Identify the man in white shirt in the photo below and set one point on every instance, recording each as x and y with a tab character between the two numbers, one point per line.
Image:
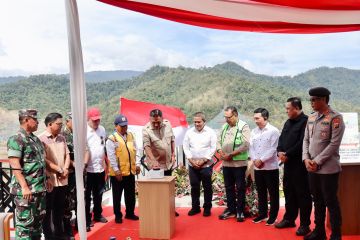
263	143
199	147
95	167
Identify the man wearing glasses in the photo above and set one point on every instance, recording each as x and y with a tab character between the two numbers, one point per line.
95	167
57	161
28	185
233	146
323	134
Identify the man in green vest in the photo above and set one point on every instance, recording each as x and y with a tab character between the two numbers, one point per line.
233	145
121	151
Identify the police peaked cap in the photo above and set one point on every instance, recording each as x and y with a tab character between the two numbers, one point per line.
319	92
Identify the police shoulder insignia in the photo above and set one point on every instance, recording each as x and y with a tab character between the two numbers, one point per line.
336	122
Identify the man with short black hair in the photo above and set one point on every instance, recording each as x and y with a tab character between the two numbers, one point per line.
323	134
263	143
233	145
70	198
199	147
159	143
58	161
295	182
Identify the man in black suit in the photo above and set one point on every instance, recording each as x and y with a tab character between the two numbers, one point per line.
296	185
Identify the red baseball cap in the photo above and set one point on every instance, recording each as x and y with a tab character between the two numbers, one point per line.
94	114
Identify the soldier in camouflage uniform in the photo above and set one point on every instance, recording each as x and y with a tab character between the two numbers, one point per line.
28	187
70	201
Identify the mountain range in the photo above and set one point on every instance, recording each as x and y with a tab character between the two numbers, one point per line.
206	89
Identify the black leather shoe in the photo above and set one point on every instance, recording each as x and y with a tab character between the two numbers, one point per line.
240	217
118	220
259	219
88	228
227	214
317	234
335	237
194	211
100	219
303	231
285	224
270	221
132	217
207	212
177	214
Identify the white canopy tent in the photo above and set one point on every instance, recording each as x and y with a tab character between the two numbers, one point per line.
275	16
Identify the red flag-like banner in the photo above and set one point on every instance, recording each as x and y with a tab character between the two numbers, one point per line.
138	114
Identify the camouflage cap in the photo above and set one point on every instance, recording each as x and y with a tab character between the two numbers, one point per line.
28	113
68	115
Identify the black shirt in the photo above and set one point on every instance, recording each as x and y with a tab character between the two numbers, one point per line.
291	140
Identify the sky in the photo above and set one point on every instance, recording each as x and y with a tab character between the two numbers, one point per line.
33	40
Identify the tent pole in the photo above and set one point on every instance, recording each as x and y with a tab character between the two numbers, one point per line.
78	106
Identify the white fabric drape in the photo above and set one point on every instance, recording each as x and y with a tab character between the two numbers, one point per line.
78	106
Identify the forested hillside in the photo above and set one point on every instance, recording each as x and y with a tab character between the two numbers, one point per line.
208	89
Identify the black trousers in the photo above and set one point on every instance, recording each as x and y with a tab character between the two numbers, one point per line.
268	181
55	207
95	184
297	196
323	188
198	176
128	185
234	179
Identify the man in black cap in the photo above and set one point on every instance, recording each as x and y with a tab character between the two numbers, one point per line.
323	134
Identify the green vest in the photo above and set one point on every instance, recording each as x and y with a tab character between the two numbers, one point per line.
239	139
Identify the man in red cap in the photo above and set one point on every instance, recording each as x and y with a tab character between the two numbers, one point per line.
95	167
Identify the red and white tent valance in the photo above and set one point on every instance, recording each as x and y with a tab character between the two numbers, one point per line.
272	16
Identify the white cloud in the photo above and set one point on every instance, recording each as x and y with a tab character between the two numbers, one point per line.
33	40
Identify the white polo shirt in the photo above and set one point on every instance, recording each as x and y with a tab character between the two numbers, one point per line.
96	146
